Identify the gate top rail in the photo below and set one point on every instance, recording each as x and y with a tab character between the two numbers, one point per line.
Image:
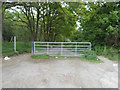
62	42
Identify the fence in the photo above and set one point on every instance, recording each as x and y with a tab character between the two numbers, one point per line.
61	48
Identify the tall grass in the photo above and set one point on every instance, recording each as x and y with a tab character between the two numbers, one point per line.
22	47
109	52
90	56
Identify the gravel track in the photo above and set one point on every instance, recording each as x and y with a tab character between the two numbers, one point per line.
24	72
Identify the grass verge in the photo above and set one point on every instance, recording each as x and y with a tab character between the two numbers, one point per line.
91	57
90	60
45	56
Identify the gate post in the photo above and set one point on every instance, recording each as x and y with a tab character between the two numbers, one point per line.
32	47
90	46
15	43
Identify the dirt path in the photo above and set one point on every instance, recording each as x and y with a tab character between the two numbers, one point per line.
23	72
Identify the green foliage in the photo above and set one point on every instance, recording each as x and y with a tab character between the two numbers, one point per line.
8	26
43	56
51	21
45	21
109	52
98	49
99	24
22	47
55	22
90	56
59	56
7	49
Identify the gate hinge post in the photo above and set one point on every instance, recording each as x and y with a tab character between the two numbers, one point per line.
32	47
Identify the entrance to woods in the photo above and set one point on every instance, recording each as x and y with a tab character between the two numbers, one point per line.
61	48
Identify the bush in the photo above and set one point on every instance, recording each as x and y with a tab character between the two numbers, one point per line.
98	50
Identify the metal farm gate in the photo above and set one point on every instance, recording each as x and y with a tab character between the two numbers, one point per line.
61	48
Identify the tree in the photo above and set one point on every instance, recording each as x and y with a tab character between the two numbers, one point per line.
100	23
46	21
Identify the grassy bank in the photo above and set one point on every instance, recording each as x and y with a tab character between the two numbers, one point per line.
22	47
108	52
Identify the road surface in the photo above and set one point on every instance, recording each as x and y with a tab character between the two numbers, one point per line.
24	72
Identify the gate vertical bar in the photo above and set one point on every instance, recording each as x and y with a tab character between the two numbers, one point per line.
47	48
76	49
15	43
61	47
